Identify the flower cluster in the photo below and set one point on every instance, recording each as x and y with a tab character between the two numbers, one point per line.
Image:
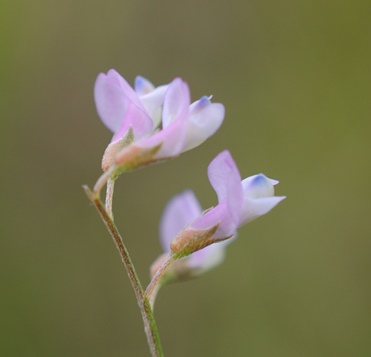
151	124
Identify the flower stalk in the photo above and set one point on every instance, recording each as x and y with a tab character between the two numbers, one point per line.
150	327
152	287
109	196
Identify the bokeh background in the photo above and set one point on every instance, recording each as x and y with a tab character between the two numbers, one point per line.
295	79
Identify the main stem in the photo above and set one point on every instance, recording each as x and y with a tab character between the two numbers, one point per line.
150	327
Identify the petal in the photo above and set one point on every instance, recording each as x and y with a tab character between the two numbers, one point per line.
128	92
224	176
259	197
119	106
226	181
176	103
110	102
209	257
174	122
153	102
136	119
220	215
170	140
205	119
258	186
143	86
180	211
256	207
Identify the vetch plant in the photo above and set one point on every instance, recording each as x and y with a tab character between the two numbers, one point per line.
152	124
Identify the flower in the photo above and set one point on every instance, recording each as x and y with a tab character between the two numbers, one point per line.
195	241
239	203
129	113
178	213
152	124
121	107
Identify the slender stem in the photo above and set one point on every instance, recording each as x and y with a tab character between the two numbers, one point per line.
157	277
109	196
152	297
150	327
103	180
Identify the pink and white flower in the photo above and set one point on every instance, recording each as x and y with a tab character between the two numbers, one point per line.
239	202
152	123
179	212
198	239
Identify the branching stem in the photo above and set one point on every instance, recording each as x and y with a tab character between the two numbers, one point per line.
150	327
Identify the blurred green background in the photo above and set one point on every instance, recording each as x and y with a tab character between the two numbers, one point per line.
295	79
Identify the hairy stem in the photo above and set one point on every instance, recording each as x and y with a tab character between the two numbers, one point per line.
109	196
150	327
103	180
153	285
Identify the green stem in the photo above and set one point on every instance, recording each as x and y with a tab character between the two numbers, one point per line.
150	327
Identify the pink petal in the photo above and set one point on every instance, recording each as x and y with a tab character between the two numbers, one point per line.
180	211
174	122
176	103
110	102
170	139
220	215
226	180
119	106
127	91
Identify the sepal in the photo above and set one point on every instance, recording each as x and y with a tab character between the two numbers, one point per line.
191	240
115	147
134	157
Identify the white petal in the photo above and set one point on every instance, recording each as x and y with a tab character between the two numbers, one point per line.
256	207
209	257
205	119
258	186
153	102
